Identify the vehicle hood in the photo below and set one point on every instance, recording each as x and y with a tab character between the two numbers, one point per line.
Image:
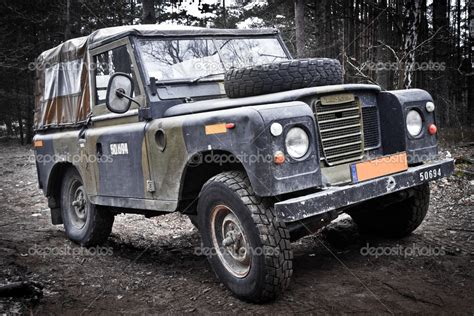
278	97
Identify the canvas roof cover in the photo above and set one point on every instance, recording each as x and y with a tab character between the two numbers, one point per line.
62	79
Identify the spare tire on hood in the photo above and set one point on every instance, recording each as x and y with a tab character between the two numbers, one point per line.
282	76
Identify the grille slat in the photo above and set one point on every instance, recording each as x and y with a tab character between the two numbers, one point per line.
333	124
339	137
356	152
335	132
327	148
338	111
341	141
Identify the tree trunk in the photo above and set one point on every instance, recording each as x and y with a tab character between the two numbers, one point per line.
413	8
67	32
441	28
30	106
132	12
20	126
72	19
470	82
148	16
8	123
299	25
383	56
224	14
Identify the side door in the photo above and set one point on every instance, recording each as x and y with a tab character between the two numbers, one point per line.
117	140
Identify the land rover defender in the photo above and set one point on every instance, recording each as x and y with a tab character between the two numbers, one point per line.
257	148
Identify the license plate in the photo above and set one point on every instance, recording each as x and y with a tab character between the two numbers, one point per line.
379	167
430	174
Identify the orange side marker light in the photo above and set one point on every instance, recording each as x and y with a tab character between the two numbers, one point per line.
38	143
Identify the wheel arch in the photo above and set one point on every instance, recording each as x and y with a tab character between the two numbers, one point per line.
201	167
55	179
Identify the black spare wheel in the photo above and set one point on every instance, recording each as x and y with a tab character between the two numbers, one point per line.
282	76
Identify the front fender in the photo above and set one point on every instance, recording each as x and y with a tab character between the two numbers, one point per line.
249	141
393	107
253	145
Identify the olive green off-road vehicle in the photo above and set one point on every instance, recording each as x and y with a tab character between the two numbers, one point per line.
257	148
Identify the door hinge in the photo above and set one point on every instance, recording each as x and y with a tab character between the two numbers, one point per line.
150	186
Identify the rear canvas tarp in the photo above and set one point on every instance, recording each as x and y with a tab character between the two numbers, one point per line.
62	86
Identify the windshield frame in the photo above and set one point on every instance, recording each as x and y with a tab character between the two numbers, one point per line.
218	77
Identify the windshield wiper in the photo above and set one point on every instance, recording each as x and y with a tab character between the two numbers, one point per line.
157	83
197	79
271	55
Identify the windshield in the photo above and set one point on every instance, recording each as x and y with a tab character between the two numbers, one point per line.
194	59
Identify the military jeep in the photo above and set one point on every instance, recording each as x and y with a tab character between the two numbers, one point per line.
257	148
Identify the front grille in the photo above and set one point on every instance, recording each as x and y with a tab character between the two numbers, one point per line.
340	131
370	119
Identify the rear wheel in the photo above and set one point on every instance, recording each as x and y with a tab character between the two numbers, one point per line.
84	222
396	220
247	246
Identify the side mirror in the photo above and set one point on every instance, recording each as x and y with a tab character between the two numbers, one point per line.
119	93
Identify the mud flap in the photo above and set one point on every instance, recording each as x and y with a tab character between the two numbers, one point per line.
56	217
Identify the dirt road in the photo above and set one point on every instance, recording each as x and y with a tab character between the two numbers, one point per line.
151	265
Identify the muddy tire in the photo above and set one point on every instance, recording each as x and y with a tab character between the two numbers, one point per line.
282	76
85	223
247	246
396	220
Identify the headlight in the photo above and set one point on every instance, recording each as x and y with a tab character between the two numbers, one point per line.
297	142
414	123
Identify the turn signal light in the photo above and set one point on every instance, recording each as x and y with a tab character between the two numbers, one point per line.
432	129
279	158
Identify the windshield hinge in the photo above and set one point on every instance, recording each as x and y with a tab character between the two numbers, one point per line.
153	88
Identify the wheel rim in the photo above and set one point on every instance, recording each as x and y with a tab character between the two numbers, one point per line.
230	241
79	207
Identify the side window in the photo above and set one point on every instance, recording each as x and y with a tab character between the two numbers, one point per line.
108	63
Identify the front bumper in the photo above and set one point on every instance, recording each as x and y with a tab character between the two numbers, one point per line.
333	198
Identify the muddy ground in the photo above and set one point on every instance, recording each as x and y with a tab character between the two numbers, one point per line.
151	266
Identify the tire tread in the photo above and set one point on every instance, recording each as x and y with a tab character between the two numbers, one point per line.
282	76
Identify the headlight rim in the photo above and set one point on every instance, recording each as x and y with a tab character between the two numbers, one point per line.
308	145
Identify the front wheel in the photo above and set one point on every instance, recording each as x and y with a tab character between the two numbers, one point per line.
247	246
84	222
396	220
